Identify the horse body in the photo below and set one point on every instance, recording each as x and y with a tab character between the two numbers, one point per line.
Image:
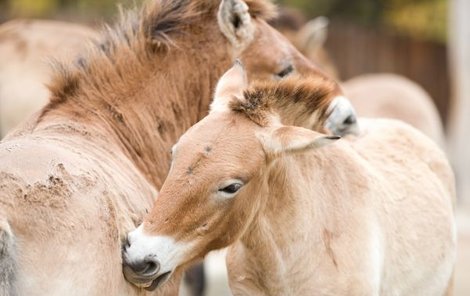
361	226
79	174
367	215
68	203
396	97
24	71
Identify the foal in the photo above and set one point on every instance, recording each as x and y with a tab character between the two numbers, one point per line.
370	216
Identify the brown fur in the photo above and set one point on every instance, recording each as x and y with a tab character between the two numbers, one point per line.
367	215
142	34
112	119
108	75
294	99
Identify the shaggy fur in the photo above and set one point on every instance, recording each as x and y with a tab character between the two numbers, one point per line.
295	99
366	215
92	159
139	36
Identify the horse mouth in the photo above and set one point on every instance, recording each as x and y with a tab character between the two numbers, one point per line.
158	281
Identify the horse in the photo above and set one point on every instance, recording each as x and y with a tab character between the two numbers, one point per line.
79	174
375	95
308	36
394	96
25	48
303	213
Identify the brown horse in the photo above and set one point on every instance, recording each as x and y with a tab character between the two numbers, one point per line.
26	46
372	215
80	174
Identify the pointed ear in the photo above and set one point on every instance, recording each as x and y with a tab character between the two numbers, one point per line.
313	34
235	23
288	139
232	84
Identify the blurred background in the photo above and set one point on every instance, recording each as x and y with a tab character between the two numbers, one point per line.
426	41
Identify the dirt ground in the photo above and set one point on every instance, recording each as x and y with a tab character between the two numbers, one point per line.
217	282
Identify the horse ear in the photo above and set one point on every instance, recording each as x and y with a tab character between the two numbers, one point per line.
235	23
288	139
231	85
313	34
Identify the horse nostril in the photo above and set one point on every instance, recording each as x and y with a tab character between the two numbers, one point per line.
350	120
152	266
125	244
147	267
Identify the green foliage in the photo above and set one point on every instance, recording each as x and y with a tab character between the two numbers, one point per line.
424	19
32	8
52	8
421	18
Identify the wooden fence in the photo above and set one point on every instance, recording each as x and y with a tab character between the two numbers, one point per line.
357	50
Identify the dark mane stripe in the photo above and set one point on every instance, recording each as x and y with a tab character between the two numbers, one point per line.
295	99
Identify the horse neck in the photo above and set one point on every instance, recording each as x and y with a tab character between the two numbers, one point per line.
284	243
156	104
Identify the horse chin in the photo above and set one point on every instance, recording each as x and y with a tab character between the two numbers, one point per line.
160	280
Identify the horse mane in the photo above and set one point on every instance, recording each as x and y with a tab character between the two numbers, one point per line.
294	98
138	36
288	19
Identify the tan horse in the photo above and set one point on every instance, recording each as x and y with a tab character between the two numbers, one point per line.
75	178
372	95
368	216
394	96
26	47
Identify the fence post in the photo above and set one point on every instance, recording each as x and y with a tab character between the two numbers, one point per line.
459	124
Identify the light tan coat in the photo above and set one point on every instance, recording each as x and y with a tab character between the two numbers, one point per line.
26	49
394	96
377	95
81	173
303	213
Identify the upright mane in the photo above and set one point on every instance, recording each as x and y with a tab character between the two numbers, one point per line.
296	99
135	42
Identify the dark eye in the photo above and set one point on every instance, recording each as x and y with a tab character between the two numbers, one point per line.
231	189
289	69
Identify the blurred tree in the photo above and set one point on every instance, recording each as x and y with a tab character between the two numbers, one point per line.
33	8
425	19
81	9
421	18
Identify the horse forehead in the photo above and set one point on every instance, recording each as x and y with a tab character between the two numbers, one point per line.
266	40
221	138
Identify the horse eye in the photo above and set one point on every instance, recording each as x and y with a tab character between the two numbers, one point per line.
289	69
232	188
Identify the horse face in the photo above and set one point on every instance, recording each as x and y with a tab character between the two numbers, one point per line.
207	200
